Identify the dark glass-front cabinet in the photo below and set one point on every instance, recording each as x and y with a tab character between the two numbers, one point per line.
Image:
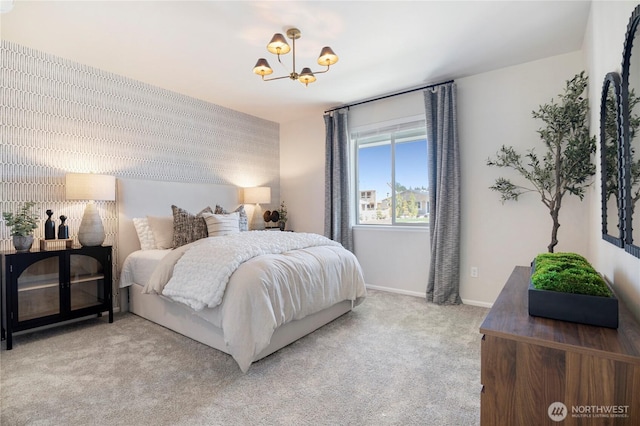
44	287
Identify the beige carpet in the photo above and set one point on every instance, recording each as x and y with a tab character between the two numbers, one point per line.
393	360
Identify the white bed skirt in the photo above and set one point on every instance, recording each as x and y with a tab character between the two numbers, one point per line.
180	318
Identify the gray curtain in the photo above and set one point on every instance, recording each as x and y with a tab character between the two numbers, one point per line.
443	285
337	218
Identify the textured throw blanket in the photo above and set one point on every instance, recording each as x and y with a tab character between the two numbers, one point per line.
201	274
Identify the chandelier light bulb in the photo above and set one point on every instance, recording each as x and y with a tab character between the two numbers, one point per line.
327	57
278	45
262	67
306	76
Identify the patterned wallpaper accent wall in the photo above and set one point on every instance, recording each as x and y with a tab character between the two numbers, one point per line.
59	116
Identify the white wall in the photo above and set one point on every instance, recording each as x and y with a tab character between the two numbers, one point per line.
494	108
394	259
302	173
603	50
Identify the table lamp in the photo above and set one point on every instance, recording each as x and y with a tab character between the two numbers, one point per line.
91	187
257	195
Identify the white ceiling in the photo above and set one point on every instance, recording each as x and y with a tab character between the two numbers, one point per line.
207	49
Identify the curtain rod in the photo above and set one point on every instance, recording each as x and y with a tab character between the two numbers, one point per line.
389	96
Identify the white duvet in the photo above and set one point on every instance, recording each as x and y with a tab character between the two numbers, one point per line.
257	281
200	277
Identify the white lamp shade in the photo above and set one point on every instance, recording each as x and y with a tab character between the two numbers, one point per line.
89	186
257	195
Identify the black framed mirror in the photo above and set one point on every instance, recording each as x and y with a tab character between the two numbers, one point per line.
611	160
630	137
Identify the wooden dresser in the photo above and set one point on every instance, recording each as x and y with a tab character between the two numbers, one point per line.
529	363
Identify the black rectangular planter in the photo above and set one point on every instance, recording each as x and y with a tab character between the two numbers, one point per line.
579	308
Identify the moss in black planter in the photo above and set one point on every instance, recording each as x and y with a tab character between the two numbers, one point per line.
568	273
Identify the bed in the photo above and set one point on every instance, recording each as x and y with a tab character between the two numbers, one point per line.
272	299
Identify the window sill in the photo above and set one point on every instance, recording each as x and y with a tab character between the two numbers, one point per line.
391	228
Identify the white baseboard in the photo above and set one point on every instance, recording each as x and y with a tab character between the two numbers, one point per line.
477	303
396	290
417	294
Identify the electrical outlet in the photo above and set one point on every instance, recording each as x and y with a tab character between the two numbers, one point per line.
474	272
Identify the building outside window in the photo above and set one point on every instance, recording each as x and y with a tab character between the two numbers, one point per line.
391	169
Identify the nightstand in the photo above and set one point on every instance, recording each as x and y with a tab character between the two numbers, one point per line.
46	287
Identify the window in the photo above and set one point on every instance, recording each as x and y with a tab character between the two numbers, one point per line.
392	179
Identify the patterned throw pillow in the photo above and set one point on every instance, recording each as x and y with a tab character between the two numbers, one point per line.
222	224
243	222
187	227
145	234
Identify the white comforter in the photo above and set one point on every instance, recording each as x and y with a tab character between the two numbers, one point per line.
199	282
267	289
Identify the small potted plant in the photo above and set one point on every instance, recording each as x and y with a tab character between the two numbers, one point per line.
564	286
282	220
22	225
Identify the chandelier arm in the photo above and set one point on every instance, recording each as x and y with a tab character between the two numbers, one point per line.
275	78
321	72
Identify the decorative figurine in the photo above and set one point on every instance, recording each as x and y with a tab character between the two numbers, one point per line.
63	230
282	220
49	227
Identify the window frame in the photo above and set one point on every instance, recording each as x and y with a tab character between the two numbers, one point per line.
391	127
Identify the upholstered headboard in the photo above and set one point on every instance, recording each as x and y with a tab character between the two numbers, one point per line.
139	198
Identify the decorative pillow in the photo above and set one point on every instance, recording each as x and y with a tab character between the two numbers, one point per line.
243	223
145	235
222	224
162	228
187	227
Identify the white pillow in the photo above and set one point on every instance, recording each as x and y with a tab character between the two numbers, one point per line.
243	219
145	235
222	224
162	228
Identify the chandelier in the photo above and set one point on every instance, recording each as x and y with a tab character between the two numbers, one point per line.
279	46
